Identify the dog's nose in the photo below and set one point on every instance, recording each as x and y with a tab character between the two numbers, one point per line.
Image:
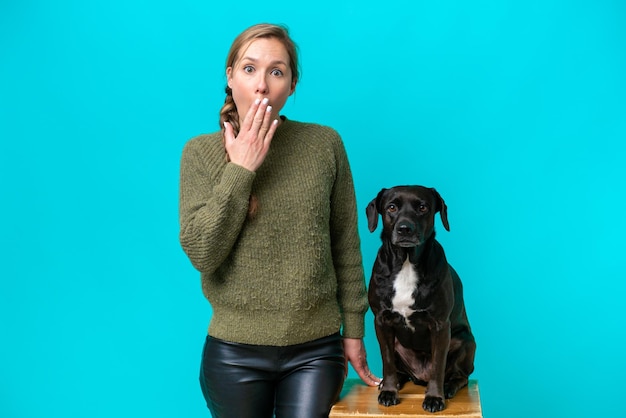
405	228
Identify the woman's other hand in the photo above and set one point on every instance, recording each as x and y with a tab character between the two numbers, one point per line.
354	350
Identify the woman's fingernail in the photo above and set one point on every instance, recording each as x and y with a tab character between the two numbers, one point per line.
257	101
269	109
265	101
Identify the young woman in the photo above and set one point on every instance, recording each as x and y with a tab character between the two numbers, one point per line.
268	216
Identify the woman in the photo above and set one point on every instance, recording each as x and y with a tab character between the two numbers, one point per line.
268	217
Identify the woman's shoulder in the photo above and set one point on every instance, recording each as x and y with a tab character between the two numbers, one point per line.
205	140
205	147
205	143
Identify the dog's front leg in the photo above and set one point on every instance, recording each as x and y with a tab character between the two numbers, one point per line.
386	340
434	400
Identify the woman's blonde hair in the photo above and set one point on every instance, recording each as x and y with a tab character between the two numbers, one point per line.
229	112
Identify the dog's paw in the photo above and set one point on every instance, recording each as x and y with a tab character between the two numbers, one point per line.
449	392
451	388
388	398
433	404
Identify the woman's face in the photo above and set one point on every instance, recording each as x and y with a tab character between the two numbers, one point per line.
262	71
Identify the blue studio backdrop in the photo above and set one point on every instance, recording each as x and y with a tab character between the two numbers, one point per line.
514	111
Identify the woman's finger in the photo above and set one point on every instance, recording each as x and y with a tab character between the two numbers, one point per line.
229	134
265	123
270	132
249	118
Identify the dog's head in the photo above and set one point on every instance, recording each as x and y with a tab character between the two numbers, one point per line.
408	214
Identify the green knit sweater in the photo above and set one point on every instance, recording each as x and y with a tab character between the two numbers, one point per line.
294	272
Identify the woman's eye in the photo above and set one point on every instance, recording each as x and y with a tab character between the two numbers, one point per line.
248	69
277	72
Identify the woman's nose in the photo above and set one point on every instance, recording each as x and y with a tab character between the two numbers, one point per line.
261	85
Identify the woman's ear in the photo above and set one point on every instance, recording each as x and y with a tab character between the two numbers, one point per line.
229	77
293	87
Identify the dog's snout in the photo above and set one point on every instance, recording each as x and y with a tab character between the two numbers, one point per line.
405	233
405	228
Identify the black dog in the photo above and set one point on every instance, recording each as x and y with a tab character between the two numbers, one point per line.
417	299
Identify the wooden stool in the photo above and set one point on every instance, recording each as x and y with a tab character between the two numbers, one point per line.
359	400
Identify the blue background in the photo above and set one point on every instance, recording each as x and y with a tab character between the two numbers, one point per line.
514	111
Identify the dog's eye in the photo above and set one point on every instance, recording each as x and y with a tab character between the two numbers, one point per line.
423	208
392	208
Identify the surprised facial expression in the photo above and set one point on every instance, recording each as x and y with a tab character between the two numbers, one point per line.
261	71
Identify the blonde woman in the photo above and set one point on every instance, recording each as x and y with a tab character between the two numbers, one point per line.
268	217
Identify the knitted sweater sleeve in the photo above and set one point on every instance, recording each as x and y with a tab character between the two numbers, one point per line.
346	249
213	203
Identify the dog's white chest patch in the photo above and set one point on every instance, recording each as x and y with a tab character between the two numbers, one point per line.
404	284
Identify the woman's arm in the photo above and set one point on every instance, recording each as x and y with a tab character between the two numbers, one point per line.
214	197
346	247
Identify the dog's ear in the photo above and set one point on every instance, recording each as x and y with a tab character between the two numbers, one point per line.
442	208
372	212
372	215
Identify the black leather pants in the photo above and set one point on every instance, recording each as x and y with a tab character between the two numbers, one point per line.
251	381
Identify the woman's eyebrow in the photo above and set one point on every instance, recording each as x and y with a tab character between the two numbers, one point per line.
254	60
